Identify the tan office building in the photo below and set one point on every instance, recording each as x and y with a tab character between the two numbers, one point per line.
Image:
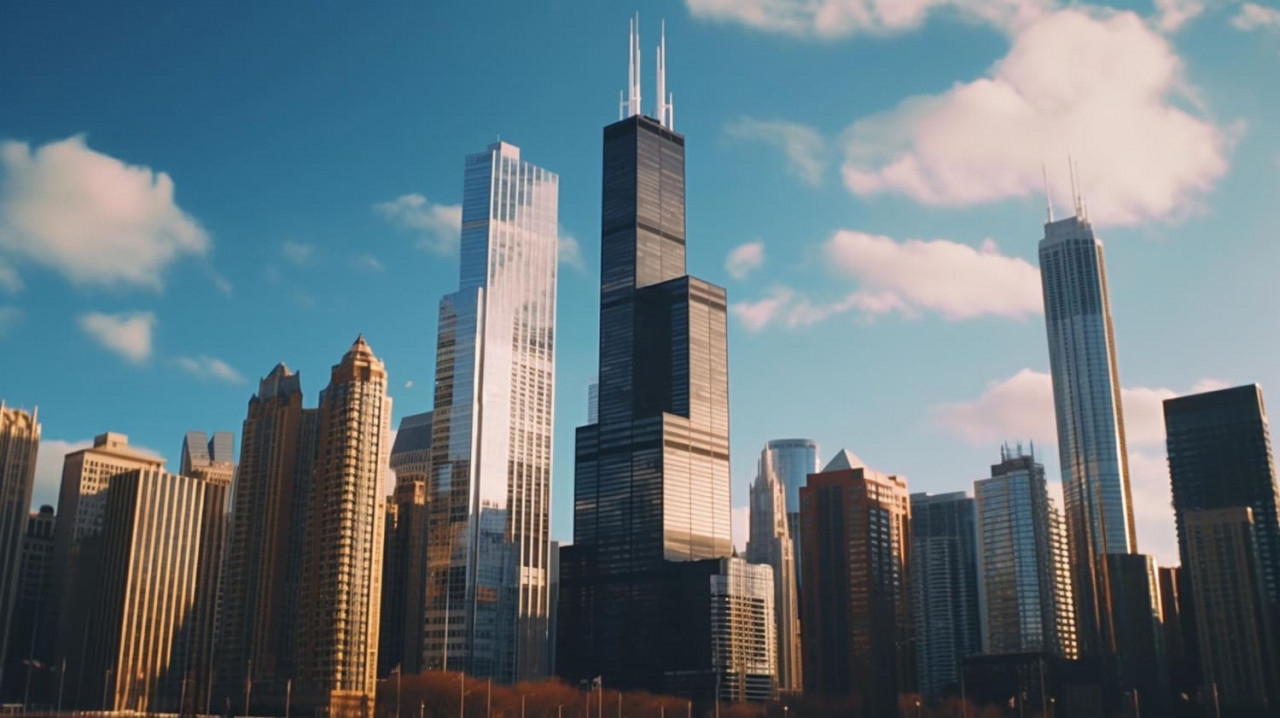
149	630
19	442
339	612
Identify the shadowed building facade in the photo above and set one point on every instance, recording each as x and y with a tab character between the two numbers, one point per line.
857	628
651	477
404	564
944	588
489	499
34	600
19	443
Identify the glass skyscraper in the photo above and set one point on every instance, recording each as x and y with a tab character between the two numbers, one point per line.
944	588
1086	397
793	460
488	585
770	543
651	477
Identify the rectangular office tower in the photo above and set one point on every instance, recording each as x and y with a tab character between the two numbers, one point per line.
19	442
1086	398
651	477
944	588
150	628
1023	580
23	679
488	550
857	627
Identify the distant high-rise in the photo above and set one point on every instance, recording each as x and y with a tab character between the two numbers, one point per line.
264	546
150	629
341	589
793	460
770	544
35	578
1086	397
19	443
944	588
87	476
1141	663
1219	448
1023	578
404	567
489	539
208	457
1233	625
722	623
651	478
857	627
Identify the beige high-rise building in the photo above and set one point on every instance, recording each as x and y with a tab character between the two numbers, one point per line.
260	582
337	639
82	511
151	622
771	544
19	443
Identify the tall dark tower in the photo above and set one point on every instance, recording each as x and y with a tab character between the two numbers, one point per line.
651	478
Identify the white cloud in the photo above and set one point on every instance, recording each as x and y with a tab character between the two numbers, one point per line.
222	283
9	318
569	251
828	19
9	279
206	367
1098	83
740	525
744	259
408	384
49	469
440	225
91	217
368	263
802	145
127	334
1171	15
297	252
1153	505
1253	16
759	314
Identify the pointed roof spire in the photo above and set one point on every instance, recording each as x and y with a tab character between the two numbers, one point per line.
844	460
633	66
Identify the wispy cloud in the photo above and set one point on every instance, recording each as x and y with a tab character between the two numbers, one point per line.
745	259
803	146
127	334
91	217
368	263
570	252
831	19
206	367
9	280
1254	17
297	252
1171	15
439	226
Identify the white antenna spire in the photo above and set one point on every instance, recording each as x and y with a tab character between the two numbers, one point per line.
621	104
1082	207
1048	199
671	111
1075	187
662	77
633	68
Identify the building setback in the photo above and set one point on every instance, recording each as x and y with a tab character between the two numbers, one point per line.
944	588
341	587
150	629
1090	421
770	543
651	477
260	585
1023	579
857	628
19	443
487	603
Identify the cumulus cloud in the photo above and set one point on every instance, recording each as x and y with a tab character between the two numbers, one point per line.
1098	83
90	216
1253	16
49	459
127	334
761	313
439	225
1171	15
744	259
803	146
206	367
297	252
569	251
830	19
1022	407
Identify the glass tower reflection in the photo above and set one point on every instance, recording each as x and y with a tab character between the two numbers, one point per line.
1086	396
488	538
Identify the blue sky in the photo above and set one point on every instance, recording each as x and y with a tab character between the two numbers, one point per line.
190	193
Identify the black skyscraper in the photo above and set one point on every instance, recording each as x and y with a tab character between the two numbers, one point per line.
651	480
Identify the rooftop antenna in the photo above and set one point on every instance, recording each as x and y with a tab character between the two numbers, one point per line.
621	103
1048	199
1082	208
664	99
1075	192
633	68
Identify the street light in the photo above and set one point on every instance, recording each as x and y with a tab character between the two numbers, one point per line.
917	708
398	676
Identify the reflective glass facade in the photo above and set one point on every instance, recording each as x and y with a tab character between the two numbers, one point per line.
944	588
1023	577
793	460
1086	396
488	584
651	477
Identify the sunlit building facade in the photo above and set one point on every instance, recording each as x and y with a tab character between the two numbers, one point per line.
19	444
1090	420
770	544
488	584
